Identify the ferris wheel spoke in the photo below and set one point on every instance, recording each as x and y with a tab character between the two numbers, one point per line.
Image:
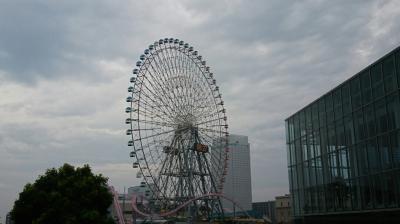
166	65
173	51
208	130
163	124
203	102
155	106
215	112
146	112
209	95
163	69
170	75
153	102
160	70
155	113
179	59
162	133
170	58
165	61
161	97
206	113
144	108
174	67
176	104
188	92
204	121
155	95
193	73
160	87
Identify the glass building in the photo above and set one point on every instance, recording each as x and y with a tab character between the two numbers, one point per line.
344	150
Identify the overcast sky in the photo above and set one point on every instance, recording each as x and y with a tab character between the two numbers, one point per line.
65	68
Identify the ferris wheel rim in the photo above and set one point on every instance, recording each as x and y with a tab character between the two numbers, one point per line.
145	60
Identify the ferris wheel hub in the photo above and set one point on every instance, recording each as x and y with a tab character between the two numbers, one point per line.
177	127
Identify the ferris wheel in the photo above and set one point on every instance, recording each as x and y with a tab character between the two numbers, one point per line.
177	126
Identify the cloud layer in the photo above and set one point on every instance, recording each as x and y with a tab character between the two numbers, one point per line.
64	70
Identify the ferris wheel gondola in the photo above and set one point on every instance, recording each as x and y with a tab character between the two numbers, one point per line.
177	124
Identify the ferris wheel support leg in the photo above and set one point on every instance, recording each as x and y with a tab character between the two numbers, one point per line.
216	202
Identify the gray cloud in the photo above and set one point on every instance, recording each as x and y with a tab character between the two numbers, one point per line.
64	70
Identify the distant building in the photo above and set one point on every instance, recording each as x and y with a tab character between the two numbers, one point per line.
237	185
282	209
8	219
344	150
265	209
142	193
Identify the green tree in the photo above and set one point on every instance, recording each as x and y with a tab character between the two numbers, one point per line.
64	195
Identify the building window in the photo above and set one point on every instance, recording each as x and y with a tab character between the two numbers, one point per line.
346	99
366	87
381	116
377	81
389	74
370	120
355	93
393	112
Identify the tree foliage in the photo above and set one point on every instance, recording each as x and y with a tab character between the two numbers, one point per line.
64	195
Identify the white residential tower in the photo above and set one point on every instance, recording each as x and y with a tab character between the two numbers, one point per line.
237	185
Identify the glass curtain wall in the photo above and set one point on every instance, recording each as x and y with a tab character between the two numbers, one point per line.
344	149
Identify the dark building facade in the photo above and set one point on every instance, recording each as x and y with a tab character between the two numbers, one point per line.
344	150
267	209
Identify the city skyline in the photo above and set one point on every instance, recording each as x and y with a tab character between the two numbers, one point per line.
65	67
